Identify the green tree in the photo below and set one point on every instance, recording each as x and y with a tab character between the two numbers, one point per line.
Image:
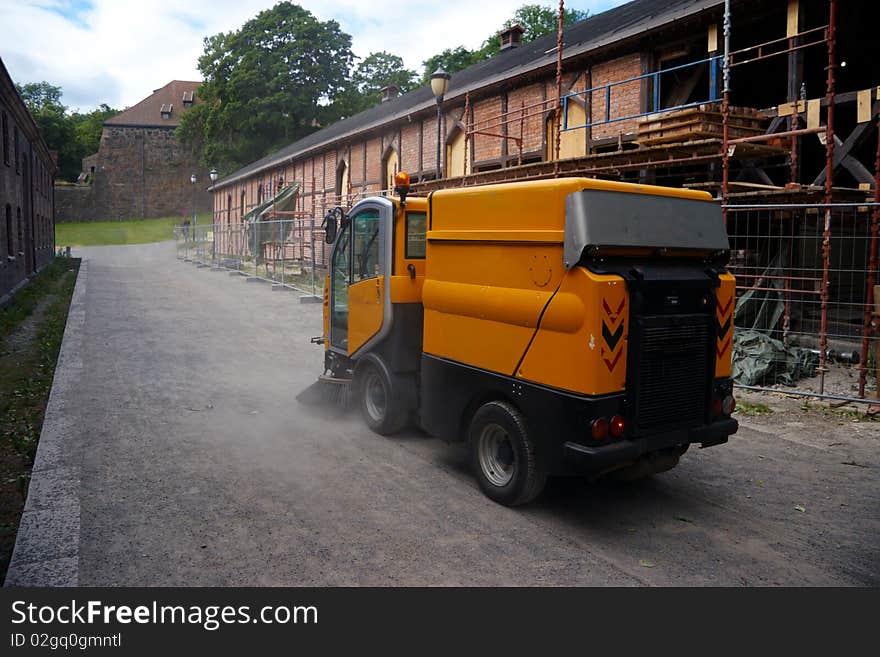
88	127
536	20
43	100
39	96
73	135
374	72
451	60
266	84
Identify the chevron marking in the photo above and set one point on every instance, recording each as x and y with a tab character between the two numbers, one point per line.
611	339
611	364
613	314
726	307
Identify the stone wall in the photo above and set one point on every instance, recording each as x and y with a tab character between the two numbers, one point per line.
139	172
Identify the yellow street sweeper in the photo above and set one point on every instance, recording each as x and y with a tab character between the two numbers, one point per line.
557	326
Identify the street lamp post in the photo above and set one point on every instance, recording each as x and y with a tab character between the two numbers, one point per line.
214	226
439	86
213	175
192	180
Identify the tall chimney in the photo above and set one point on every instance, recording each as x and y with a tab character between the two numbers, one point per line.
390	91
511	37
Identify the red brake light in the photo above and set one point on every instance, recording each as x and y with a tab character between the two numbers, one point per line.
600	428
728	405
617	426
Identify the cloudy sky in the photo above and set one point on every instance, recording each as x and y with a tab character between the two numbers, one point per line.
118	51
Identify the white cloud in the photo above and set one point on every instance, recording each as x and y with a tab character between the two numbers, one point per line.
118	51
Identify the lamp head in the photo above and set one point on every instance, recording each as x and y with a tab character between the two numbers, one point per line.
439	83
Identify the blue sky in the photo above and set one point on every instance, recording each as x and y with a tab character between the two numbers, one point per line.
118	51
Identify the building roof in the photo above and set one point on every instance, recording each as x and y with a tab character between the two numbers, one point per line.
610	27
161	109
24	118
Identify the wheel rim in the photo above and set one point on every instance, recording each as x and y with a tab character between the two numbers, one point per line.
496	454
374	396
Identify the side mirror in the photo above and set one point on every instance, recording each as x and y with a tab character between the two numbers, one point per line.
331	226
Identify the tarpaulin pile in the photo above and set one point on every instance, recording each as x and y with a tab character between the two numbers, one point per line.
758	358
263	228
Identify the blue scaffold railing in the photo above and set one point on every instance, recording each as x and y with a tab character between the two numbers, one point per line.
714	64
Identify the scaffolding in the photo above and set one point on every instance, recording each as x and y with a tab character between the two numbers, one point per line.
821	240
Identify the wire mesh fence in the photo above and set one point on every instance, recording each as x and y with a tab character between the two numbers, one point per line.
805	298
287	252
804	320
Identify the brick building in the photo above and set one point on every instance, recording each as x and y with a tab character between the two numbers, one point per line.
27	214
140	169
618	67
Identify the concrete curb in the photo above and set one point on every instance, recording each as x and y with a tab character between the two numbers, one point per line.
47	545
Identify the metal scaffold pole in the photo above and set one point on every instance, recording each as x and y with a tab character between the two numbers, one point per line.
872	273
829	190
725	112
558	128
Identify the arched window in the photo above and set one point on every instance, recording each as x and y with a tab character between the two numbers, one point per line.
572	143
5	139
228	208
390	167
260	193
457	162
342	179
7	246
19	238
241	207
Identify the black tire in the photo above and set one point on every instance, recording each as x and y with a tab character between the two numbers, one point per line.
380	399
504	458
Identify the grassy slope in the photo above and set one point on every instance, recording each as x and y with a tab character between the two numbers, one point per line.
34	320
129	231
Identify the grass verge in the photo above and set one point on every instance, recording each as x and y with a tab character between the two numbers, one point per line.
31	329
128	231
752	408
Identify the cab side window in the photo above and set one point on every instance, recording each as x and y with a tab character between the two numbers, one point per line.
365	261
415	234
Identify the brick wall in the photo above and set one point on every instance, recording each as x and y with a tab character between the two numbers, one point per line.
27	235
486	118
533	126
625	98
409	148
374	162
429	142
356	164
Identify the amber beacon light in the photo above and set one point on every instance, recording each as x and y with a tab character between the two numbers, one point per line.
401	185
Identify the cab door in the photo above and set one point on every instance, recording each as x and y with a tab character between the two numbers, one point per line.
360	308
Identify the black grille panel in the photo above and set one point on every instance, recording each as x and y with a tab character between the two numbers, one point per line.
672	372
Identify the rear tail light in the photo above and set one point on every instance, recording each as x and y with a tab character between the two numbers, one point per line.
600	428
723	406
617	426
728	405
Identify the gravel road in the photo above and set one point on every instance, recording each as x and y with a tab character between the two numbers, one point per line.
195	466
